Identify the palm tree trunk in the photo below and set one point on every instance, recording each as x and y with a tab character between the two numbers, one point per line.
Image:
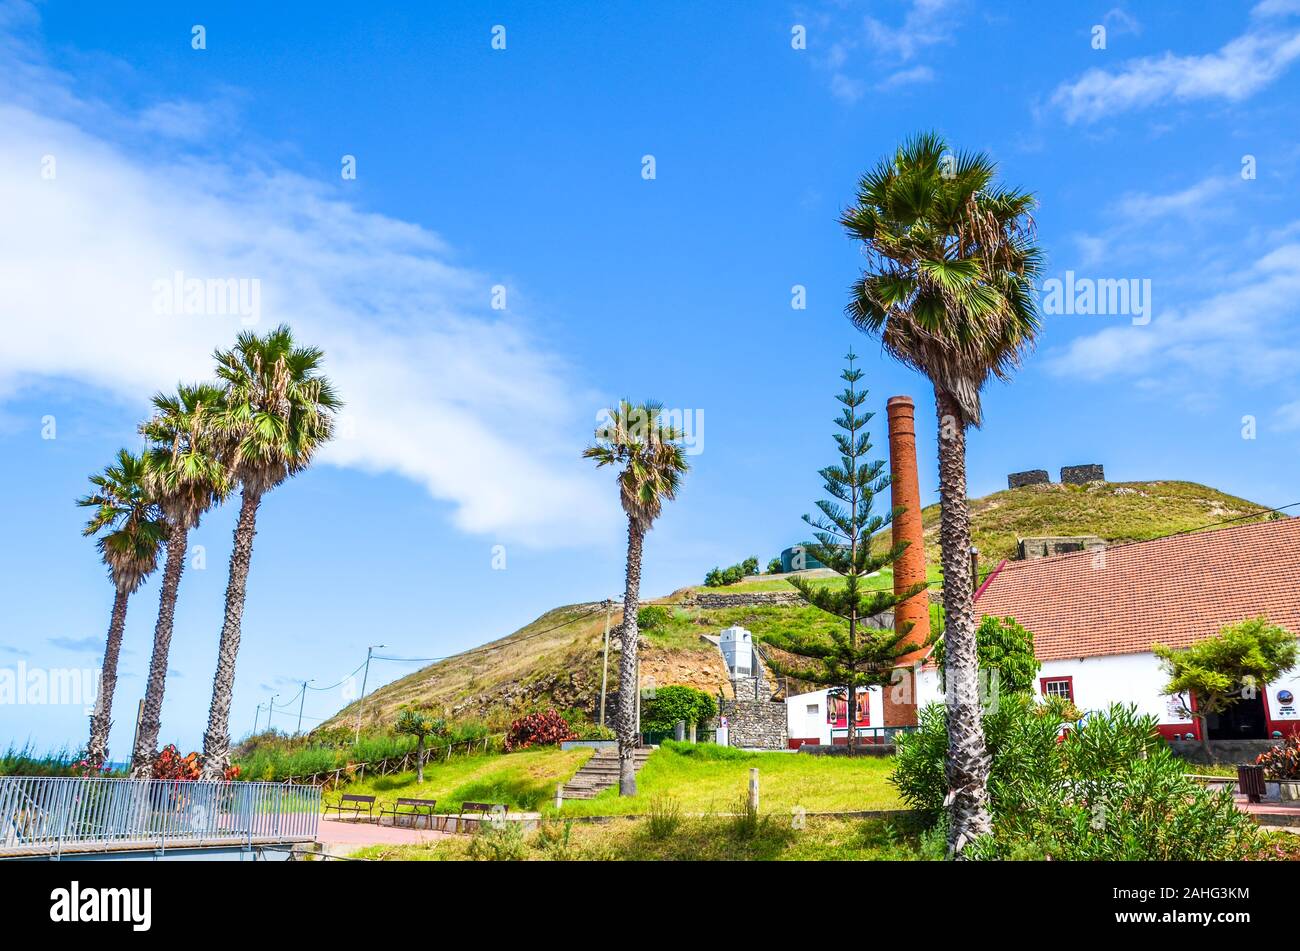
967	765
101	721
216	739
625	715
419	760
146	741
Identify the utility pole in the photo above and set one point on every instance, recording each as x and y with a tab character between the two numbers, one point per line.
364	679
256	717
300	706
604	673
270	710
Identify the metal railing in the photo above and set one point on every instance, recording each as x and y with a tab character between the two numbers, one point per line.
51	815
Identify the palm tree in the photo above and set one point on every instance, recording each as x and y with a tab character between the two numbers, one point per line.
279	411
130	534
948	288
652	462
187	477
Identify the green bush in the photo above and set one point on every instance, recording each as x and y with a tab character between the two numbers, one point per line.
664	818
660	713
1110	790
717	577
774	566
652	616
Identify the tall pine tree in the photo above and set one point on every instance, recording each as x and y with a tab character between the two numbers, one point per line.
863	655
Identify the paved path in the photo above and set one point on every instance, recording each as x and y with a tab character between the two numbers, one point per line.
349	836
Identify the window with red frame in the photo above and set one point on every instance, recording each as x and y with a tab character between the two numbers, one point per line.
1059	687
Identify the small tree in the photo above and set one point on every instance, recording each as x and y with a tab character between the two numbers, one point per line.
774	566
1005	650
1218	671
661	712
421	726
860	657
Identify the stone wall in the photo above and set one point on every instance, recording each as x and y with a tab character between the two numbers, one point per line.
1081	475
756	724
707	599
1049	545
1029	477
1222	752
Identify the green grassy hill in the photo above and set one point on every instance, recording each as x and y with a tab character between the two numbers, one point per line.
555	660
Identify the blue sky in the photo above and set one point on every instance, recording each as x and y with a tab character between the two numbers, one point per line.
1169	156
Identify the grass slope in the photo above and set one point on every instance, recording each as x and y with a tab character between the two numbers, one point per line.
700	779
555	660
1115	511
706	778
524	781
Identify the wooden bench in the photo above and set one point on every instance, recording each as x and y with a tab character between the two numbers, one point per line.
411	808
479	808
353	804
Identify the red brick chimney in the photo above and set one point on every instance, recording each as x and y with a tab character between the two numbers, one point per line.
909	570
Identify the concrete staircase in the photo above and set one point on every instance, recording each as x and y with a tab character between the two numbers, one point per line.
600	773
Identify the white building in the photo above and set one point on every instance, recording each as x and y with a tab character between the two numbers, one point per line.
1095	614
737	646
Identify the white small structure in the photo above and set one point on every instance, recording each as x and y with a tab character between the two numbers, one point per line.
737	646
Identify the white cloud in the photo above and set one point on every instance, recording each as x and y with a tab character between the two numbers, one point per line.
1234	72
440	389
1287	418
1249	332
926	23
870	43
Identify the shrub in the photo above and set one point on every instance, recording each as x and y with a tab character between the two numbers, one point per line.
652	616
1283	760
774	566
499	843
594	731
1110	789
717	577
661	712
664	817
1002	645
538	729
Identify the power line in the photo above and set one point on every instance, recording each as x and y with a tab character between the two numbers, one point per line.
288	705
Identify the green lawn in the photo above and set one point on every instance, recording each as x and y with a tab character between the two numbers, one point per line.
523	781
707	839
698	779
708	778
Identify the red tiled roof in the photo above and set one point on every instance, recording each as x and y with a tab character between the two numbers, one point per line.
1171	590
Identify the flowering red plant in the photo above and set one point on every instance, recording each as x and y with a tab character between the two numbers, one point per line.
538	729
1283	760
169	764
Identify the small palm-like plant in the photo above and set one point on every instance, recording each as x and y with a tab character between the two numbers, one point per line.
279	410
651	462
948	289
131	532
185	474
